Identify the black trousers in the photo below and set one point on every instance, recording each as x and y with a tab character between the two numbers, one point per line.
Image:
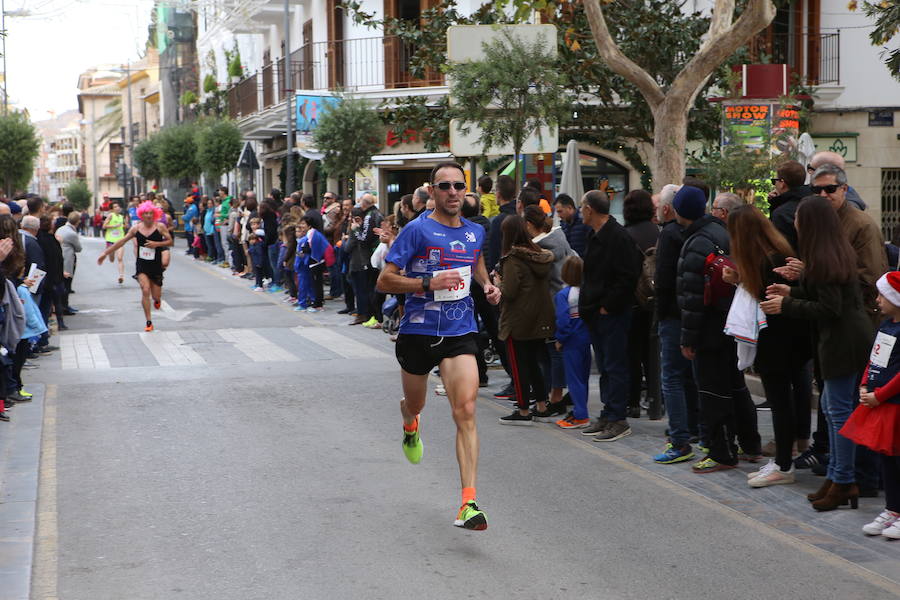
639	354
317	273
890	471
19	357
728	411
780	394
349	296
524	362
490	321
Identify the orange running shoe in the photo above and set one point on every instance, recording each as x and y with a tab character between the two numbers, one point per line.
157	304
570	422
149	326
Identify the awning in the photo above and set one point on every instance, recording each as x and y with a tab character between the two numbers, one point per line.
247	159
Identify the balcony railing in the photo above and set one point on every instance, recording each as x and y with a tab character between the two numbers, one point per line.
242	97
356	65
813	59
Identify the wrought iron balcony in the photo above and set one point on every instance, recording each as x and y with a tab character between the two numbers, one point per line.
814	59
358	64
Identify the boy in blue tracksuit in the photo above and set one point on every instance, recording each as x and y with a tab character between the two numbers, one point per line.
574	340
309	264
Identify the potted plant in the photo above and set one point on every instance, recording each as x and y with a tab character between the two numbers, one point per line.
210	84
235	69
189	98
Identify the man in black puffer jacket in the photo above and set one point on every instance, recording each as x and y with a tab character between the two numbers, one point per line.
725	402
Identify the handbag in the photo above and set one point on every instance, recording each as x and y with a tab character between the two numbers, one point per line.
716	291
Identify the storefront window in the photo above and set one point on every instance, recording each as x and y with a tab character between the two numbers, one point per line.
598	172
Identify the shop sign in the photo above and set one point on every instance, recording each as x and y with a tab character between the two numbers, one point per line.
843	144
309	109
758	125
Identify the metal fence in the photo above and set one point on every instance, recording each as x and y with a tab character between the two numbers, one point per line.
357	64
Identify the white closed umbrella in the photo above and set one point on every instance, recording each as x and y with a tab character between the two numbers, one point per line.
571	182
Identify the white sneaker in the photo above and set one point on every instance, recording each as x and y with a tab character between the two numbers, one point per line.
892	532
773	477
439	390
883	521
765	470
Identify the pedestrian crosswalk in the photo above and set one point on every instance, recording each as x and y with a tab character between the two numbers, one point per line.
217	347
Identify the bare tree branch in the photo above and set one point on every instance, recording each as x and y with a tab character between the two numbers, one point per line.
616	60
720	21
755	17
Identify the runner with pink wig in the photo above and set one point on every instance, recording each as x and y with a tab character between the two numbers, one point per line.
152	238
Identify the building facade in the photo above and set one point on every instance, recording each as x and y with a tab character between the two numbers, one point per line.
823	43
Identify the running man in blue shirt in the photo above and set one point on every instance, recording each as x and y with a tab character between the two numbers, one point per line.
433	261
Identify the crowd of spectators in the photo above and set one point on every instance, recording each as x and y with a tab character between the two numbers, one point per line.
39	246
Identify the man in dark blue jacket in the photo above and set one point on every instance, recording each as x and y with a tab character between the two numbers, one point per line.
612	265
506	200
724	399
577	233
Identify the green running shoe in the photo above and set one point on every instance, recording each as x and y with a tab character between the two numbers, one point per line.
470	517
412	445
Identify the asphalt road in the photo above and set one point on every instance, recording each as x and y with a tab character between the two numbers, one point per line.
244	451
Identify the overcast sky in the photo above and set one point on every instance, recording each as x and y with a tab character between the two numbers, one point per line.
46	51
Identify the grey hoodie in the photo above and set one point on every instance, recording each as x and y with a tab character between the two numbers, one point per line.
556	242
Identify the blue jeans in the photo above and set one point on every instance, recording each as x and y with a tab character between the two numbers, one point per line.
220	250
677	381
839	398
275	266
210	246
609	337
337	278
360	281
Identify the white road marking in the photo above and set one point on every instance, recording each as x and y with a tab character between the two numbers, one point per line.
166	311
331	340
169	349
83	351
254	346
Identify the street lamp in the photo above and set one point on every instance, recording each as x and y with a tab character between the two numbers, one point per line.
3	14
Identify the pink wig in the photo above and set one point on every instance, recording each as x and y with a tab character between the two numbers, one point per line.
148	206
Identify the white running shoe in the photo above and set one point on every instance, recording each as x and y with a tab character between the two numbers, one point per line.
765	470
882	522
892	532
774	477
440	390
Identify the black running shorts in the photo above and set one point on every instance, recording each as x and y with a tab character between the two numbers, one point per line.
419	354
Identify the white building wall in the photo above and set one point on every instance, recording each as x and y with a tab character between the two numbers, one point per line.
865	80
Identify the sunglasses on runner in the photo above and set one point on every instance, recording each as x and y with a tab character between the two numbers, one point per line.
456	185
829	189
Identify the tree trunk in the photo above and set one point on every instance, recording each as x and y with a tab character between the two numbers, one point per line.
670	122
670	107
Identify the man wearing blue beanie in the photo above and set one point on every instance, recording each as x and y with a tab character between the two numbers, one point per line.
725	403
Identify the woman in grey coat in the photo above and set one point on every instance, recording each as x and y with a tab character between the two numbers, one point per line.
68	237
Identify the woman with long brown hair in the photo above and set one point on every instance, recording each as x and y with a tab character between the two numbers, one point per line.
12	263
783	348
829	295
527	317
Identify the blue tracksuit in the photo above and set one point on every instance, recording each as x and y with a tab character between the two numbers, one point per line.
575	338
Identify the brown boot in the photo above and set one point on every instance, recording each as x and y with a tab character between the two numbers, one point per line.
838	494
821	493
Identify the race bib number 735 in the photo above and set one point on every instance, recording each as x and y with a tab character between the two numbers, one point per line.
461	290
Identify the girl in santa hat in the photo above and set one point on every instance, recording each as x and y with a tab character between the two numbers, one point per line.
876	421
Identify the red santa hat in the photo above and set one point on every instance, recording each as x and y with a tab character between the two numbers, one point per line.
889	286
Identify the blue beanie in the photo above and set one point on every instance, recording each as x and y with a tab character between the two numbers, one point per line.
690	203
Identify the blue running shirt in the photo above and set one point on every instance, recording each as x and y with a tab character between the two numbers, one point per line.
426	246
